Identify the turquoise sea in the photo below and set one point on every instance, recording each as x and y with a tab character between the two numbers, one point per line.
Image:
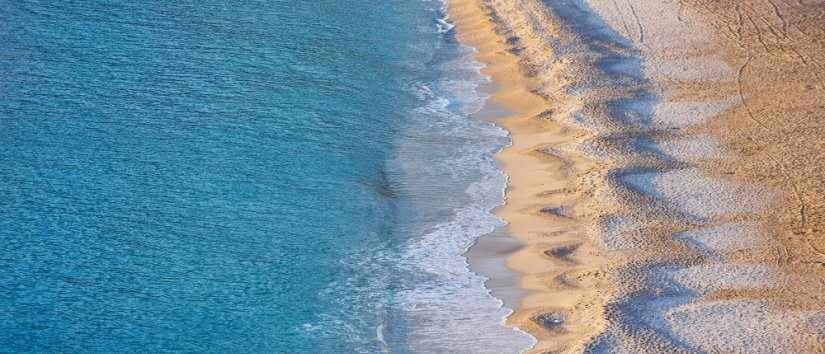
243	177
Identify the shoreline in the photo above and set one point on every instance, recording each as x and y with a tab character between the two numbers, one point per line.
537	310
651	214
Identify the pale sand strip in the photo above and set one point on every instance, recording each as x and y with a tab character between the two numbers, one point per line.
546	202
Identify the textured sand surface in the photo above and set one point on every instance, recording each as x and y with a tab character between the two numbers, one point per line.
666	172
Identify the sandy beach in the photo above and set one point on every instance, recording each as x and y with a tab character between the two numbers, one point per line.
665	176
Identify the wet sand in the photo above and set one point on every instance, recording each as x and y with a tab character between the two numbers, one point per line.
665	173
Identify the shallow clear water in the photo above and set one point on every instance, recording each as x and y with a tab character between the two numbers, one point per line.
276	176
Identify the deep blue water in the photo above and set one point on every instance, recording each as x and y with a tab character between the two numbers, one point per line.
265	176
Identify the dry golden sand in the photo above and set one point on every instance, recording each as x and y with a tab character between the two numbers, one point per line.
779	126
666	173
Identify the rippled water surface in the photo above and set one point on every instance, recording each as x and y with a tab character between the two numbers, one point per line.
264	176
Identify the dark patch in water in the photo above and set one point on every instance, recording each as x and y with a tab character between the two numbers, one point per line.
383	186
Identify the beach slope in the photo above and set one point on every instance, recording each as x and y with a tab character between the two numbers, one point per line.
665	173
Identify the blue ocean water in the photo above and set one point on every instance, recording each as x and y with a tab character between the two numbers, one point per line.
243	177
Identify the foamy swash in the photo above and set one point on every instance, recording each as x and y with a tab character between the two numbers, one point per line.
445	182
449	154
